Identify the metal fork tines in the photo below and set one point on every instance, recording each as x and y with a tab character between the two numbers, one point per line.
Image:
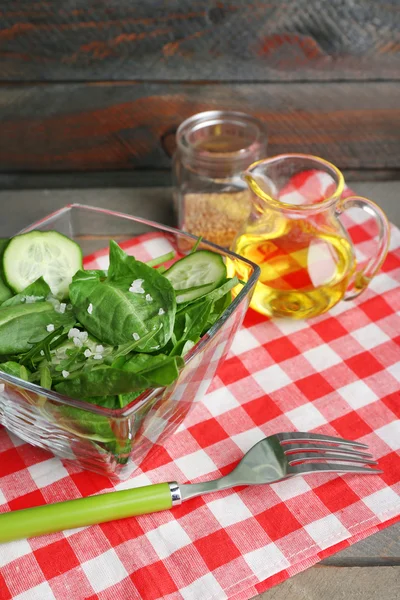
308	452
300	436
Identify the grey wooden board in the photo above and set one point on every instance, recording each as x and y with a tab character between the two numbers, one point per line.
380	549
204	40
335	583
19	208
138	178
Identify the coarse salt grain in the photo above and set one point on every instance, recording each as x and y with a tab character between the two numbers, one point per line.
161	312
78	342
62	308
74	332
32	299
87	353
99	349
83	336
149	298
136	336
65	374
136	287
42	353
50	328
97	356
90	309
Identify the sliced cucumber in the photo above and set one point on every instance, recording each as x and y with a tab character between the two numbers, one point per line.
196	274
46	254
5	292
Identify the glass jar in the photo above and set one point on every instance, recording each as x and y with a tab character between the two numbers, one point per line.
213	149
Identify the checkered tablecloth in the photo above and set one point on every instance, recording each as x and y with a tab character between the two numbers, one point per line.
338	374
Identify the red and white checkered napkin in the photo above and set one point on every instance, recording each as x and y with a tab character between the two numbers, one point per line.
338	374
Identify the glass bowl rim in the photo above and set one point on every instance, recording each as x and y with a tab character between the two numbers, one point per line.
146	395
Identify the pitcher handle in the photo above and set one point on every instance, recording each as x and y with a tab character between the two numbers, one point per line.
363	276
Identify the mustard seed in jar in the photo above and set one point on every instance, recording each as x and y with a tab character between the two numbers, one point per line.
216	217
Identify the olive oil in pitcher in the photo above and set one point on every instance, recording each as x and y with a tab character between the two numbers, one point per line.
294	234
303	272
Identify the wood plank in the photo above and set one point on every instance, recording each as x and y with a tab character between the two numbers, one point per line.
81	127
263	40
380	549
335	583
137	178
22	207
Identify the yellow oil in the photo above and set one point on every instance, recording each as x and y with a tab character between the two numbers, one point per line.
304	272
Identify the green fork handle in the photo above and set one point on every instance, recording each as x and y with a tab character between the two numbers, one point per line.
49	518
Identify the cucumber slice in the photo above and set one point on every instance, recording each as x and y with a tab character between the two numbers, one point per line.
5	292
46	254
196	274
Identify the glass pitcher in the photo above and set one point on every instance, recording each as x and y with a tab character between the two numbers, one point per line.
294	234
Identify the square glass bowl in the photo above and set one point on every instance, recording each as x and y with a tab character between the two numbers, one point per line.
115	442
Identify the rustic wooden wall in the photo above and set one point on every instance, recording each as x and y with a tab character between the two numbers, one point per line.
94	85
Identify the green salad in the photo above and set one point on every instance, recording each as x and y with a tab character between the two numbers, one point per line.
102	336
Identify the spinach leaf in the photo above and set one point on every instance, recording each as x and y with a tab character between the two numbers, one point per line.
140	372
101	380
37	291
159	370
215	295
13	368
112	313
195	319
40	349
22	323
45	376
87	424
125	399
219	306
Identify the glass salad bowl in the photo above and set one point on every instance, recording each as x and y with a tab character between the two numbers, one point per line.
114	442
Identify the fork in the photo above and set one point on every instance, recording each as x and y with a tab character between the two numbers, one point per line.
272	459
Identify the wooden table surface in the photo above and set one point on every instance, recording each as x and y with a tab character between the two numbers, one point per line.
367	570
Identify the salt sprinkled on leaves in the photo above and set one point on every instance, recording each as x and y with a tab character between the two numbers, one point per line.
32	299
136	287
83	336
74	332
42	353
149	298
97	356
87	353
90	308
78	342
161	312
50	328
62	308
65	374
136	336
99	349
